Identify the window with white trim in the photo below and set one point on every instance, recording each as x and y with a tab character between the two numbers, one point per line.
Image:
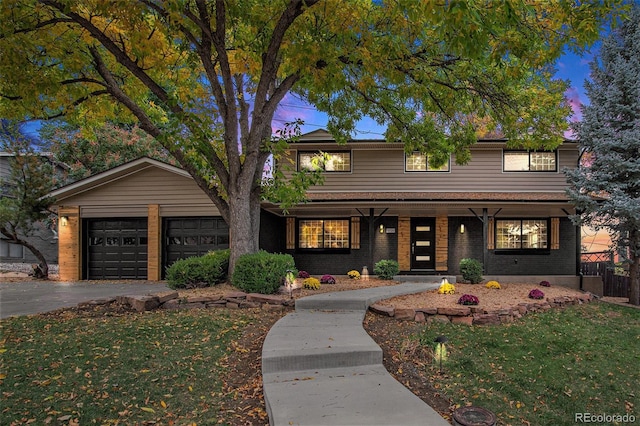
338	161
419	162
530	161
519	234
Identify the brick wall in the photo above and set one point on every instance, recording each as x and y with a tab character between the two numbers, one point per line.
470	245
385	247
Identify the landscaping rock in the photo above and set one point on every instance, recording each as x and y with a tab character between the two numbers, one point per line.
165	297
462	320
405	314
428	311
439	318
476	310
456	312
172	304
231	305
382	310
143	303
420	317
237	294
203	299
264	298
485	319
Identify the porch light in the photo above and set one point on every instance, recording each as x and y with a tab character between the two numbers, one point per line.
381	228
440	351
462	228
64	220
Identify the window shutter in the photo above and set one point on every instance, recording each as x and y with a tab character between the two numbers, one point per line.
355	233
491	234
555	233
291	233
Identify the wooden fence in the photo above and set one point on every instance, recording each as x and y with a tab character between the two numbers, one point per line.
615	283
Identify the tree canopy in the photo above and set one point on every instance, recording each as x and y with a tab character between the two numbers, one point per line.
205	77
606	188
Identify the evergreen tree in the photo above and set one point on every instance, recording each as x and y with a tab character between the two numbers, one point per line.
606	187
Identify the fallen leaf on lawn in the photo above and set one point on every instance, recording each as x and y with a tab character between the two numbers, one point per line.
148	409
163	404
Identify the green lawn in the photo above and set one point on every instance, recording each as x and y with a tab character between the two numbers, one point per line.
546	367
132	369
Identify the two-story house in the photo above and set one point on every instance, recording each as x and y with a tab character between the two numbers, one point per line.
506	208
44	238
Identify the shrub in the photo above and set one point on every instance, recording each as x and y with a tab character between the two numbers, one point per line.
327	279
471	270
262	272
446	288
468	299
536	294
303	274
311	283
353	274
493	284
545	283
386	269
200	271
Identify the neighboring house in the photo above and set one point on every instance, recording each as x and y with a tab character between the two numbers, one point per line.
506	208
44	239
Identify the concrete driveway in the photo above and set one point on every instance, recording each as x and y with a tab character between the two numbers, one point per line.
32	297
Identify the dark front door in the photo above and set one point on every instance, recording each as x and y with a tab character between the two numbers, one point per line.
116	248
423	244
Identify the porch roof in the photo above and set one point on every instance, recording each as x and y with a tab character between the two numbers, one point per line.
438	196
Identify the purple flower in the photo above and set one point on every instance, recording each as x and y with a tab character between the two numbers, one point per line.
545	283
303	274
536	294
327	279
468	299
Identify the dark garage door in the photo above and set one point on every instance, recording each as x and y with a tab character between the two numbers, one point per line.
193	236
116	248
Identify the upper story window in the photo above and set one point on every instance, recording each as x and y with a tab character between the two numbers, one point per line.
419	162
529	161
518	234
336	161
323	234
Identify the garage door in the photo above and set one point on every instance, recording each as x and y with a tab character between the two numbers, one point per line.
186	237
116	248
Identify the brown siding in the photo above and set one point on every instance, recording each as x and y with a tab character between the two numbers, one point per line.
129	196
154	232
442	243
69	246
383	170
404	243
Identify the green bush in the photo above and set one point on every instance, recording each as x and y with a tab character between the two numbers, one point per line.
386	269
262	272
201	271
471	270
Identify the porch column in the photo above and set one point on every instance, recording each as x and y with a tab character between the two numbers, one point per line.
404	243
69	243
154	232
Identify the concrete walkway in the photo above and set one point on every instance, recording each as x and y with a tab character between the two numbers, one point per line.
33	297
320	367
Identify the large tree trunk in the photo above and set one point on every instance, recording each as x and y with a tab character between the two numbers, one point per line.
243	227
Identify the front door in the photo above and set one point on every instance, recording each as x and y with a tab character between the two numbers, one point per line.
423	244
